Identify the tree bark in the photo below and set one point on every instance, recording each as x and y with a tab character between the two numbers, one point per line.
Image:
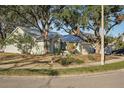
98	48
46	41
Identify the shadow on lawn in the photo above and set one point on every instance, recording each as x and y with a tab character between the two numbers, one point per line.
27	61
24	62
23	72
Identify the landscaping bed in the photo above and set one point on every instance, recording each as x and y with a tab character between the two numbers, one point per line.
17	61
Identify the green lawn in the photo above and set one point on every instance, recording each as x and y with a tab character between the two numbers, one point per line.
79	70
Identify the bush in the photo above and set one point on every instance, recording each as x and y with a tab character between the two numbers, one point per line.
24	43
65	62
70	60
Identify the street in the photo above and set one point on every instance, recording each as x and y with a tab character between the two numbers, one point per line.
97	80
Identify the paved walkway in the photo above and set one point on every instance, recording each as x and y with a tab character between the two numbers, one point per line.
111	79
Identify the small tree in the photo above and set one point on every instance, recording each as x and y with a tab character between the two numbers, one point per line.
24	43
119	42
38	16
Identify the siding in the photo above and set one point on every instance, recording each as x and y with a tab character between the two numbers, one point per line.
11	49
39	49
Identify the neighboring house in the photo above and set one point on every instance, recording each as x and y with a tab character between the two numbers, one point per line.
108	49
122	37
82	47
35	34
111	47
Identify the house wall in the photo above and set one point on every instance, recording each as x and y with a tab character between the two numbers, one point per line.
19	31
123	38
11	49
85	49
38	49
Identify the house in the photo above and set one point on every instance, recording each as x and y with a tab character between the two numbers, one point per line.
56	42
38	39
77	44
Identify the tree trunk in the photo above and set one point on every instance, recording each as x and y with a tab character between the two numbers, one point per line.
1	32
46	41
2	38
98	48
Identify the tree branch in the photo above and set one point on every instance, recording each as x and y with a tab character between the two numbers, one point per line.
22	15
111	27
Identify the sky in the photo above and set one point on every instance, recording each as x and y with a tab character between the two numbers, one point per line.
115	31
119	29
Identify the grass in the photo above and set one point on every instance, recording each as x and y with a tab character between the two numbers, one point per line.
92	69
67	71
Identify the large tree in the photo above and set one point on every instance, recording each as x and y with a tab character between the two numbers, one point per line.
111	15
38	16
6	24
89	18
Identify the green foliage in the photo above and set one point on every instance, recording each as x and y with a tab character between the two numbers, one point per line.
86	17
65	61
53	72
24	43
66	71
70	60
119	44
109	40
69	17
89	18
2	43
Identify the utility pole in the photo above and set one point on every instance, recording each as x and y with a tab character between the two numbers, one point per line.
102	36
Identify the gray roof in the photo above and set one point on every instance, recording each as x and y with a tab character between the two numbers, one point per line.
34	32
84	36
71	38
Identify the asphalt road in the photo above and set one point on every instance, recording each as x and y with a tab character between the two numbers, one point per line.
103	80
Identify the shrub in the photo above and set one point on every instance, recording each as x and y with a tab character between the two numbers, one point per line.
24	43
69	60
65	61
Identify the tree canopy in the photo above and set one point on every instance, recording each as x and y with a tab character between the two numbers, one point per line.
72	19
89	18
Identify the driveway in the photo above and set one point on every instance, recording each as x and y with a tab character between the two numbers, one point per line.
104	79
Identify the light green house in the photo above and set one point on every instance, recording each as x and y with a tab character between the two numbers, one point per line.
38	49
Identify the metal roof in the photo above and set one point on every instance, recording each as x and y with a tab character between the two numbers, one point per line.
34	32
71	38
